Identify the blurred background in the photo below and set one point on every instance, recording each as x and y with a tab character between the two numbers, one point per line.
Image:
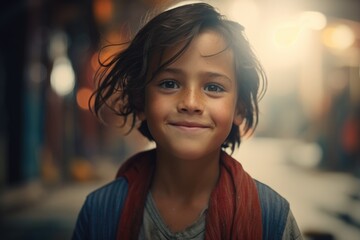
53	151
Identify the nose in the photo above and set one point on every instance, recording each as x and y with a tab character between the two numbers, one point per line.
191	101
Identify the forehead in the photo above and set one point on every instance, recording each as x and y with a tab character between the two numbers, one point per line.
208	43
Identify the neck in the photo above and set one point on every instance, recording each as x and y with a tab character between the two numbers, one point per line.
184	178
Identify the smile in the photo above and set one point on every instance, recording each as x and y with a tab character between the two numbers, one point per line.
189	126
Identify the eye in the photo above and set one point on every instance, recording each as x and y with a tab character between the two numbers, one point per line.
169	84
214	88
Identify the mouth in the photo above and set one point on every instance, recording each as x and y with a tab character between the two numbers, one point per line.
189	126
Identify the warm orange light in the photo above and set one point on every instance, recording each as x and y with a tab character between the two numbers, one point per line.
338	37
82	98
95	61
103	10
113	43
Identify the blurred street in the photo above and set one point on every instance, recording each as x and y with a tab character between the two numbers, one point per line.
322	202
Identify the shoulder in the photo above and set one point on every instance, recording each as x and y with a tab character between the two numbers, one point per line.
99	215
292	231
269	196
274	210
107	198
115	189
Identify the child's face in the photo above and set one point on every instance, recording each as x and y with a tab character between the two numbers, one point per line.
190	105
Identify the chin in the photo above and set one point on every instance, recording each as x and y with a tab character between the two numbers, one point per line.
191	152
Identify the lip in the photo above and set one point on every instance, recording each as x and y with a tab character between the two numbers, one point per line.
188	126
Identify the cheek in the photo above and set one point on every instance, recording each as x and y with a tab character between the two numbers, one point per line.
149	100
225	117
156	108
223	113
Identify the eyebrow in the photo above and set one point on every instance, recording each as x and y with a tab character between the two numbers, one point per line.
178	71
172	70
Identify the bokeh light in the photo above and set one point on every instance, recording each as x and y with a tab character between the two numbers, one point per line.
62	77
313	20
338	37
103	10
83	96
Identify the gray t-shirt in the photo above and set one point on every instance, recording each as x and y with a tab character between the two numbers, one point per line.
154	227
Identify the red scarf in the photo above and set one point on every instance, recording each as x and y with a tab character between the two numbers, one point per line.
234	209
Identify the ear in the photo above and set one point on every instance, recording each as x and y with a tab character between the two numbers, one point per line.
141	116
238	118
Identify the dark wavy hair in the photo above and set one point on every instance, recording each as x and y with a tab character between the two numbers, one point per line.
122	80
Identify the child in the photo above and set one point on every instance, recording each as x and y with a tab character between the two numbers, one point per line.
190	77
